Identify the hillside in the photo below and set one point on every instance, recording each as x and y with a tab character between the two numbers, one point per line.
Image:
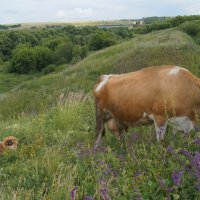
53	118
164	47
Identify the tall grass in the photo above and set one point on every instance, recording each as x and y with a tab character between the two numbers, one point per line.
55	155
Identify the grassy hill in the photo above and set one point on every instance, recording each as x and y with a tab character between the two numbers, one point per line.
53	118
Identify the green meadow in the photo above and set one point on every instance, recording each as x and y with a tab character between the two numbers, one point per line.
53	117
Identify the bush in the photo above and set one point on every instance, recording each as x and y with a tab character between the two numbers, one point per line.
44	56
63	50
102	39
79	53
52	43
23	60
191	28
26	59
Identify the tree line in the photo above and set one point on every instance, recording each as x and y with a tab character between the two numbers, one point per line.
160	23
28	51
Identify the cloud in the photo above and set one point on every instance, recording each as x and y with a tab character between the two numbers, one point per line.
60	14
193	8
84	12
75	14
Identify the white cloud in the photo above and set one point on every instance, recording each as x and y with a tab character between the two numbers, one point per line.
60	14
83	12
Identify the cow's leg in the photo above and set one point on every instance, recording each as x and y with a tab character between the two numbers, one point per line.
161	127
100	130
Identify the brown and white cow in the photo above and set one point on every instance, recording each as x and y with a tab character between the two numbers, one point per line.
158	94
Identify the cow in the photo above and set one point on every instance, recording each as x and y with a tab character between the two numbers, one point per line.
157	95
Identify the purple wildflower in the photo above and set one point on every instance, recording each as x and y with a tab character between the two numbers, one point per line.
138	173
103	191
161	182
168	191
99	148
73	193
186	153
176	177
195	163
197	141
198	187
138	195
88	198
170	149
135	137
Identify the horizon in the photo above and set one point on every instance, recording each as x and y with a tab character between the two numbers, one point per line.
44	11
90	21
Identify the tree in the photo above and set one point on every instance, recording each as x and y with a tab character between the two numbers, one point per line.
44	56
63	52
23	60
102	39
52	43
5	46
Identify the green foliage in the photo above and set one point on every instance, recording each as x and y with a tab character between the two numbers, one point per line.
149	20
44	56
26	59
165	23
175	21
192	28
154	26
4	27
5	46
63	53
101	40
78	53
79	40
23	60
52	43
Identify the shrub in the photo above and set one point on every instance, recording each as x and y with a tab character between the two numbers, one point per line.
102	39
191	28
64	50
44	56
23	60
79	53
26	59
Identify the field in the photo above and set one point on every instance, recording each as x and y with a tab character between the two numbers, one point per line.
54	119
76	23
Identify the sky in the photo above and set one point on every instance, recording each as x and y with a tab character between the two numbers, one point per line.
20	11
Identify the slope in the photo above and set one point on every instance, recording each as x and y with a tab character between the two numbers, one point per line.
163	47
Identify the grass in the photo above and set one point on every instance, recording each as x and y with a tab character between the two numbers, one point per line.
53	117
9	81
